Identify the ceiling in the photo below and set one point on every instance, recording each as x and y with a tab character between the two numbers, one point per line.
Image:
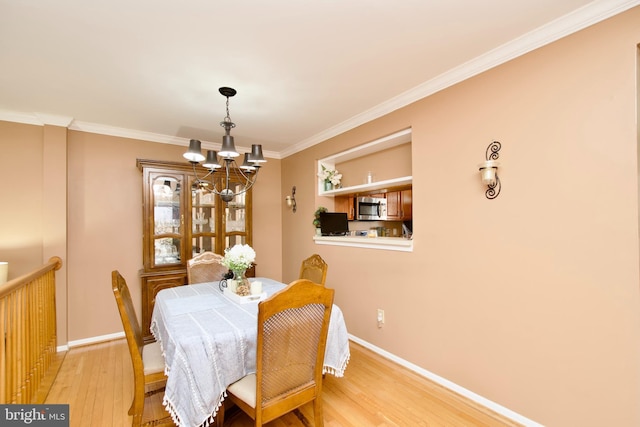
303	70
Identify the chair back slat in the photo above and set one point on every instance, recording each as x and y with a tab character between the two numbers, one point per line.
153	380
292	333
206	267
315	269
130	323
289	352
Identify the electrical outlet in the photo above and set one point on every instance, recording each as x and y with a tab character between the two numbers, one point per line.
380	317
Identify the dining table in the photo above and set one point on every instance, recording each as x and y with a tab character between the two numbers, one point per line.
208	339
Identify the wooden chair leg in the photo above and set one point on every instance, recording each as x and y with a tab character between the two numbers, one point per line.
318	417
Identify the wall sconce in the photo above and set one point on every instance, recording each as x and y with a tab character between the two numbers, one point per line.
489	171
291	200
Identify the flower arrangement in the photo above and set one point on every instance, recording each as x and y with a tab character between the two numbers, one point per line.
330	175
316	216
239	258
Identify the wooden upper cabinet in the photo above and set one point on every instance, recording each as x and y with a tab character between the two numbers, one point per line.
345	204
399	205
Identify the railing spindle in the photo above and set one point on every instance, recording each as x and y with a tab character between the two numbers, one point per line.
28	332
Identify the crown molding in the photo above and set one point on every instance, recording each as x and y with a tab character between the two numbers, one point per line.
54	120
156	137
577	20
19	117
40	119
127	133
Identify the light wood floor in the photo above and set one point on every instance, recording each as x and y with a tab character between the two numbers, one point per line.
97	383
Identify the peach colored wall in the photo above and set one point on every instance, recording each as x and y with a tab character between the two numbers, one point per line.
21	194
54	215
530	300
105	224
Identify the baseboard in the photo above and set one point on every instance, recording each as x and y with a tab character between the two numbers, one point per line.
499	409
92	340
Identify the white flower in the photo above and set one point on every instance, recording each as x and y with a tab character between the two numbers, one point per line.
239	257
330	175
335	179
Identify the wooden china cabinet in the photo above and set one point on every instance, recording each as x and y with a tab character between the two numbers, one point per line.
181	220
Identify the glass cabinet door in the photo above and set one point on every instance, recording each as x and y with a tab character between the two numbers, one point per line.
203	220
183	218
236	222
167	219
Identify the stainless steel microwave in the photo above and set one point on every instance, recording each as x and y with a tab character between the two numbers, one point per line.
371	208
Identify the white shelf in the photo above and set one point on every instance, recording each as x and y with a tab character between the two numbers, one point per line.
382	243
380	185
393	140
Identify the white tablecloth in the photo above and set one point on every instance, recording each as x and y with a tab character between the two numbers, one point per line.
209	342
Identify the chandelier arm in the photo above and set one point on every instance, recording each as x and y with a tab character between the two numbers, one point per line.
195	173
250	183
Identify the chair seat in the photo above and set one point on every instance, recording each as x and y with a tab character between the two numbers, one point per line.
245	389
152	358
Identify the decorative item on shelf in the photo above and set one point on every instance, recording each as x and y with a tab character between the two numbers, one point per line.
246	174
238	259
489	170
291	200
316	218
330	177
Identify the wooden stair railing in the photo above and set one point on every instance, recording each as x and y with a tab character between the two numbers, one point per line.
27	332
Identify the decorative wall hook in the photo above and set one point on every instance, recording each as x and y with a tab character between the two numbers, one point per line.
489	170
291	200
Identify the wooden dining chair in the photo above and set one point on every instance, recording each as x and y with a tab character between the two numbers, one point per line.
205	267
292	336
315	269
147	360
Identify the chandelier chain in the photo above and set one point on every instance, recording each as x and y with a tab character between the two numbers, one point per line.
226	122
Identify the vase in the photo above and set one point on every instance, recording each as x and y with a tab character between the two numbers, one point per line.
328	186
243	287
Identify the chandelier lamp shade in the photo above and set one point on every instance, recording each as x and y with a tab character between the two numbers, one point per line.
224	161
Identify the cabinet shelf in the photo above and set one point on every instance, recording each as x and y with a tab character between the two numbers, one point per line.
167	236
167	204
383	186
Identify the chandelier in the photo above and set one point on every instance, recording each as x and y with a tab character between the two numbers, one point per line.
244	175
